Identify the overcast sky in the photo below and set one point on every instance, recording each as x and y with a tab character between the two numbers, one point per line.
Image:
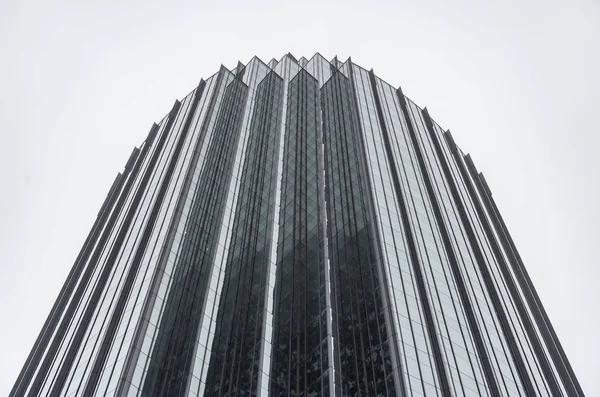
517	83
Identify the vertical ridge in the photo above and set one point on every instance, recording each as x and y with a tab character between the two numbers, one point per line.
106	271
167	370
87	274
364	356
132	355
490	287
422	290
111	330
460	283
299	358
235	353
547	331
542	359
60	304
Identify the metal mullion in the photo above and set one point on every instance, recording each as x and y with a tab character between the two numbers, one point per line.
66	291
421	287
181	271
251	207
494	296
233	111
343	144
531	365
150	196
521	310
378	255
545	327
329	276
486	313
336	217
428	222
278	235
91	266
237	217
149	301
110	333
452	259
110	261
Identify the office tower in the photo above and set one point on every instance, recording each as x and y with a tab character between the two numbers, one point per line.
298	228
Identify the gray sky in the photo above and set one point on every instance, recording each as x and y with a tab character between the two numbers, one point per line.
517	84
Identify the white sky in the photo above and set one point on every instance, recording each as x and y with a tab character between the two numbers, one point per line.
517	84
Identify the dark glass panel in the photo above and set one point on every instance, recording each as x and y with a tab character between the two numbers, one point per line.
236	351
299	358
171	357
364	362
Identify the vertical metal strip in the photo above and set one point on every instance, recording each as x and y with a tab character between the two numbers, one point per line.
179	325
107	270
265	365
299	273
90	268
107	203
148	305
354	252
117	313
394	349
331	353
485	272
533	337
234	359
557	354
210	305
452	259
60	304
421	287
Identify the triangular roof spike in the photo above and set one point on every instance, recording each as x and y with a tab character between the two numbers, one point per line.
320	67
272	73
291	56
294	65
399	90
239	68
257	60
450	138
317	55
333	64
223	69
300	72
343	66
336	62
336	72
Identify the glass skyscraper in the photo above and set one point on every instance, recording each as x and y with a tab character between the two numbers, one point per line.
298	228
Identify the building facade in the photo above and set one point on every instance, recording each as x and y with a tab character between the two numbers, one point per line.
298	228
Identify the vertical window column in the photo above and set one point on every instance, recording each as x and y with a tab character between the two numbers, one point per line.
358	310
458	278
171	357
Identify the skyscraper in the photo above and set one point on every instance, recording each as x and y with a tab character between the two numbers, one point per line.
298	228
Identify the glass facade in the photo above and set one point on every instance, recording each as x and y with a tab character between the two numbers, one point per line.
298	228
